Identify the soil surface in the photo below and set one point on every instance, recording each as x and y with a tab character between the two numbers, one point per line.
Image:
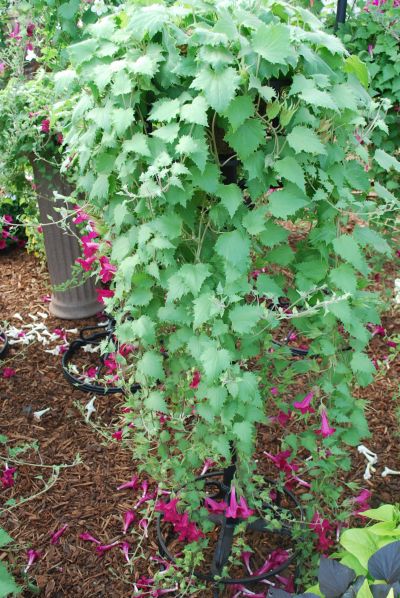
82	492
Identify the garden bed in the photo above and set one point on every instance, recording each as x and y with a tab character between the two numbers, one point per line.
85	496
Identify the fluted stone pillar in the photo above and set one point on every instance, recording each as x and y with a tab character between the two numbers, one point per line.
62	248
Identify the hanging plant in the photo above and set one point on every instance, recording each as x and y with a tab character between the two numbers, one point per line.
203	135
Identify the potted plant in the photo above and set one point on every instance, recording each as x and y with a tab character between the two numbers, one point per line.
201	134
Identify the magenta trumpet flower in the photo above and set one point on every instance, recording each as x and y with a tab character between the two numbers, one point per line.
304	406
325	429
55	536
129	518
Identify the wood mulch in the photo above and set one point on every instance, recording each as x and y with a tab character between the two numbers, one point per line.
84	496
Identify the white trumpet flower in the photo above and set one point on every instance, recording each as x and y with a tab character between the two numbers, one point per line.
369	470
387	471
368	454
38	414
90	408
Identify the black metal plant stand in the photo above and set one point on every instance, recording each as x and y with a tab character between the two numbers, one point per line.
340	13
3	344
99	333
221	481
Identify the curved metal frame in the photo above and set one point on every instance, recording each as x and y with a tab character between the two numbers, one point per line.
91	339
227	528
5	345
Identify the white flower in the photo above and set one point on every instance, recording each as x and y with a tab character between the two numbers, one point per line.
371	457
99	7
387	471
90	408
30	55
38	414
369	470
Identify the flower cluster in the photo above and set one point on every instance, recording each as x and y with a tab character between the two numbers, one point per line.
7	237
187	530
90	248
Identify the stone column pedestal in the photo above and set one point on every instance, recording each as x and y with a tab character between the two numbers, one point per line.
62	248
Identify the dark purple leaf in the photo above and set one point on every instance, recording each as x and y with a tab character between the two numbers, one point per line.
275	593
381	590
385	563
333	577
353	590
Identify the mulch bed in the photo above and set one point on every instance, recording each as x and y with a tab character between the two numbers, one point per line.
84	496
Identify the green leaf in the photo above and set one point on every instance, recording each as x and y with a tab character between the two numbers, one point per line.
247	137
186	145
156	402
100	188
5	538
167	133
344	277
218	86
148	20
193	275
195	112
121	119
164	110
356	175
231	197
234	248
205	307
215	361
151	365
245	317
363	367
144	329
273	234
348	249
367	236
83	51
7	583
240	109
122	83
287	201
273	43
355	66
386	161
303	139
365	591
382	513
137	144
360	543
289	168
244	431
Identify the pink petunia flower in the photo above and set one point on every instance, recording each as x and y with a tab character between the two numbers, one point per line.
125	547
104	294
195	380
237	510
15	33
129	518
133	483
45	126
304	406
8	372
107	270
86	537
117	435
33	556
55	537
215	506
7	477
274	391
101	549
325	429
30	28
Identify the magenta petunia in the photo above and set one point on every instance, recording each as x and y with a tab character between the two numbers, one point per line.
33	556
325	429
8	372
45	126
129	518
304	406
195	380
55	536
104	294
